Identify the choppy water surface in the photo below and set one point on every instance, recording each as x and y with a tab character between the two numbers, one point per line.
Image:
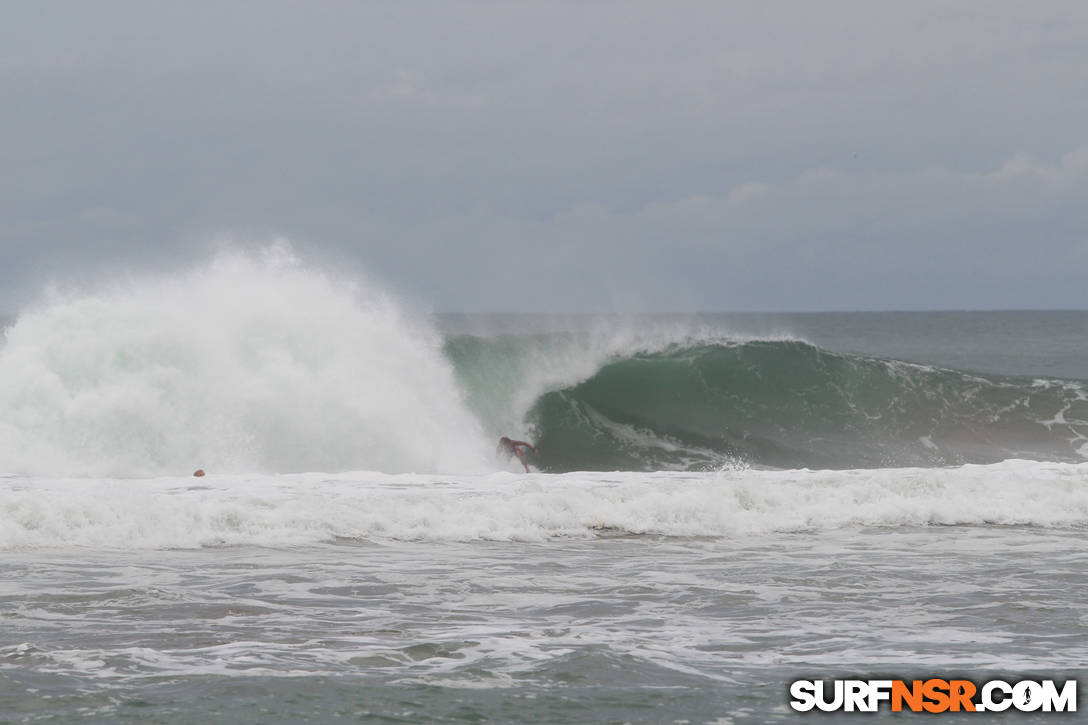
612	629
560	611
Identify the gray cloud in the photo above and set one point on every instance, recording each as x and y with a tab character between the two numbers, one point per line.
561	156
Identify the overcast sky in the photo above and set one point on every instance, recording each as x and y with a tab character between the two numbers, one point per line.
554	156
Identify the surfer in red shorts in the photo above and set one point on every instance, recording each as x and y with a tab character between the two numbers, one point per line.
509	449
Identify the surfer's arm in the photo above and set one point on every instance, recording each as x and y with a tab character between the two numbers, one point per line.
525	445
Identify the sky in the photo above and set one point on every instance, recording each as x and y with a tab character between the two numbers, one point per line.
559	156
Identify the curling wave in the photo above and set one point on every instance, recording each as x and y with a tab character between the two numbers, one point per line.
700	405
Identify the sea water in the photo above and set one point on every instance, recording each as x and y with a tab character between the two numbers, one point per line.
724	504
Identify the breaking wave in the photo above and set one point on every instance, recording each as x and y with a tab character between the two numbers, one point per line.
247	364
708	404
260	364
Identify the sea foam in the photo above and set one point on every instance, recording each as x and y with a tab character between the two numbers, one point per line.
292	510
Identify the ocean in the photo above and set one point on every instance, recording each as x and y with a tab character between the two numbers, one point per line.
722	504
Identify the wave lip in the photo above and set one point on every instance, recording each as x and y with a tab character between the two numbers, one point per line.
313	508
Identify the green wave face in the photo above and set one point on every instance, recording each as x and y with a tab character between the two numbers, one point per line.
783	404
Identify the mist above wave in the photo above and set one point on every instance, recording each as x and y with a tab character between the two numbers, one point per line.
249	363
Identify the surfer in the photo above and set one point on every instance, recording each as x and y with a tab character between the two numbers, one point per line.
509	449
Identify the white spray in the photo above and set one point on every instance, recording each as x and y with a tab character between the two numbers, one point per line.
248	364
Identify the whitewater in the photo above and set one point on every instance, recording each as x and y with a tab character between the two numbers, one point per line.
291	510
721	504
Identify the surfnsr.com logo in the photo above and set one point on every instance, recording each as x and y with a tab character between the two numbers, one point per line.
933	695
